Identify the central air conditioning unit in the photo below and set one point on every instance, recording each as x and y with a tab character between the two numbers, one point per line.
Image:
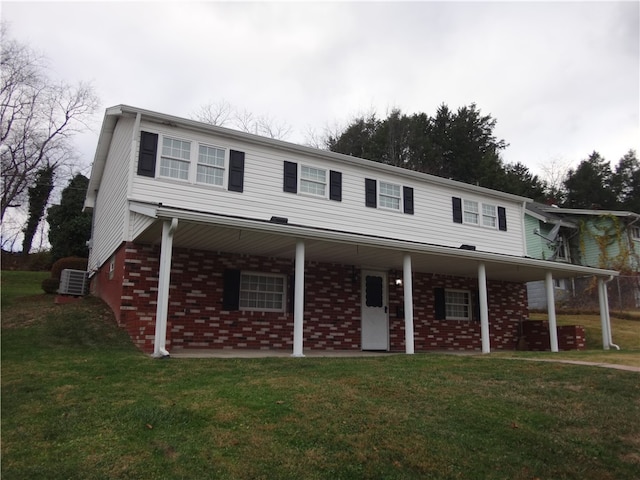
73	282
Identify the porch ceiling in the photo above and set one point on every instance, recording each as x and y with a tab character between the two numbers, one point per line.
362	252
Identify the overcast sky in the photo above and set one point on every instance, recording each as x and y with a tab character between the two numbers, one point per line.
562	79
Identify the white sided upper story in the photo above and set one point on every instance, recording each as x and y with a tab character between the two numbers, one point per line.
146	158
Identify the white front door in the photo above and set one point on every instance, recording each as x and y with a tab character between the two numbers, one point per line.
375	319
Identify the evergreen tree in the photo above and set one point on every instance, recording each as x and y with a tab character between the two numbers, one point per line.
38	198
590	185
626	182
69	226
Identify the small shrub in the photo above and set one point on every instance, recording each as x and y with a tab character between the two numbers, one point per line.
50	285
73	263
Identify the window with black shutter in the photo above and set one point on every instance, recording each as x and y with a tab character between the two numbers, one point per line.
290	180
147	154
502	219
457	209
335	186
370	192
236	171
407	199
231	289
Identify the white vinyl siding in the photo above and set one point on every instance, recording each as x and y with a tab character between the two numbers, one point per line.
110	210
313	181
457	304
263	197
389	196
264	292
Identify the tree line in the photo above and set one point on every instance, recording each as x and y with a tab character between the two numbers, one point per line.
461	145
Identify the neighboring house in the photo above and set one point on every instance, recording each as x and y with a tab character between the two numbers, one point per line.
205	237
594	238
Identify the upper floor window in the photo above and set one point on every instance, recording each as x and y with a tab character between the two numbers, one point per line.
476	213
471	213
379	194
213	166
175	158
389	196
313	181
635	233
210	165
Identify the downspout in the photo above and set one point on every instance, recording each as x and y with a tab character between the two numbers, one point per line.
168	229
606	306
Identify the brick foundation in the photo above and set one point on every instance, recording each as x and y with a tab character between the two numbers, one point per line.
332	305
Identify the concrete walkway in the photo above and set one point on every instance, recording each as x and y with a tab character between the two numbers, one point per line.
615	366
228	353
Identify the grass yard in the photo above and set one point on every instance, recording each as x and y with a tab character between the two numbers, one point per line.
78	401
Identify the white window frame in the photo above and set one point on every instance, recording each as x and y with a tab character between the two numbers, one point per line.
223	168
479	213
388	195
193	162
310	180
172	158
261	308
489	215
635	233
448	303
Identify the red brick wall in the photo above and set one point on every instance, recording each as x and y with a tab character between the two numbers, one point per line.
332	306
536	334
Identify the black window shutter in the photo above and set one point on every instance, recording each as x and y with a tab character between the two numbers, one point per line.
236	171
370	193
231	290
147	155
290	177
502	219
440	306
335	186
457	209
407	197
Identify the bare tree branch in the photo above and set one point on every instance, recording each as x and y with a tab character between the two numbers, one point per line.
38	119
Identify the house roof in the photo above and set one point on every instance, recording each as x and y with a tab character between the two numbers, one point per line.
580	211
113	113
547	214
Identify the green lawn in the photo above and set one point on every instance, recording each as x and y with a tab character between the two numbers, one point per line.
78	401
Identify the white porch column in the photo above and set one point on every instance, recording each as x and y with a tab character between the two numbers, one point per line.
408	304
604	312
298	310
551	310
162	300
484	308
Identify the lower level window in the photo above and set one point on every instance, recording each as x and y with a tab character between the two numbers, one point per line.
458	304
265	292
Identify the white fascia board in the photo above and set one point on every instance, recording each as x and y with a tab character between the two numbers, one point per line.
143	209
304	232
301	149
